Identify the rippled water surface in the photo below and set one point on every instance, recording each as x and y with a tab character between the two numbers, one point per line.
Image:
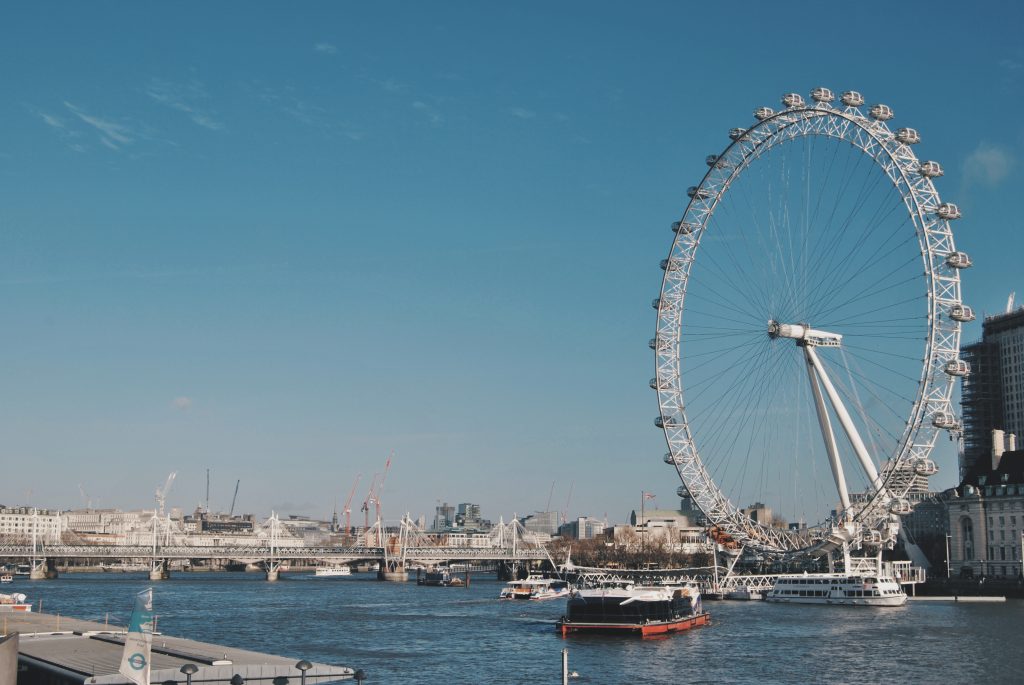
402	633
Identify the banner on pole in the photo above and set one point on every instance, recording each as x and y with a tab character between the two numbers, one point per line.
137	643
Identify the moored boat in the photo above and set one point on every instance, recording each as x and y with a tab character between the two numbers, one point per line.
535	588
439	577
332	570
6	578
14	602
837	588
639	610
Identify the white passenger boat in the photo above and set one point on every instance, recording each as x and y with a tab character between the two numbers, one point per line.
6	578
535	588
837	588
333	570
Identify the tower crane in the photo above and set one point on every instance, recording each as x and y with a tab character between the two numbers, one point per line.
161	493
232	512
370	497
380	489
348	509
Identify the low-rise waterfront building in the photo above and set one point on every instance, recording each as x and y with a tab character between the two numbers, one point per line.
23	524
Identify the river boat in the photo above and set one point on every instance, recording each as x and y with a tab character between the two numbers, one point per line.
6	578
439	577
635	610
332	570
745	593
535	588
23	570
14	602
837	588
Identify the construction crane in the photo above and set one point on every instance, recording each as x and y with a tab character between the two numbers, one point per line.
235	497
370	497
161	493
348	509
380	490
565	512
86	500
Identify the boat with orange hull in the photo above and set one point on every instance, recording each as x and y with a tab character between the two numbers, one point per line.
637	610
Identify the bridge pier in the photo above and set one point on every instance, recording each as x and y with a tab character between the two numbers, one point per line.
273	570
43	569
160	569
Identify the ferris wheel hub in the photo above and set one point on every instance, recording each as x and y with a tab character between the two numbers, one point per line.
803	334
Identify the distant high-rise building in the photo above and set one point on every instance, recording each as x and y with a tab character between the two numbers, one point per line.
469	512
542	522
993	392
444	516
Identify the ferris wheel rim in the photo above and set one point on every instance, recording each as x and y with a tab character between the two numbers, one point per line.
878	142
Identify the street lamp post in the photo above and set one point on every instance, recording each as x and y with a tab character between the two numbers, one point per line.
303	666
189	670
948	538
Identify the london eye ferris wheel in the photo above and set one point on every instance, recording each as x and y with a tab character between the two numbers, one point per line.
809	328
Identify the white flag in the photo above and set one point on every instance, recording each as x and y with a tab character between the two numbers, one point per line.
135	660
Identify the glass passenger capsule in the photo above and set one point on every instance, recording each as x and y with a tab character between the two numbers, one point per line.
736	133
961	312
762	113
925	467
671	264
930	169
672	459
948	211
698	193
945	421
683	227
881	112
958	260
900	506
821	94
908	136
793	100
852	98
957	367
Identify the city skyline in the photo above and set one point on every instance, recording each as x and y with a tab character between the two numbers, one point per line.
281	253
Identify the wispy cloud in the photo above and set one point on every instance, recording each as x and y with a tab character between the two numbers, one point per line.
388	85
112	134
182	403
325	48
307	113
183	97
429	111
522	113
63	129
988	165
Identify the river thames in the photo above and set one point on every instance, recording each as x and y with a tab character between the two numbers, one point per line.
403	633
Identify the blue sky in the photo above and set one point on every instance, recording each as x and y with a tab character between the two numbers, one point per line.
280	243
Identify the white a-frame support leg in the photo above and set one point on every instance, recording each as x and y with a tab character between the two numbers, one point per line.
844	419
830	438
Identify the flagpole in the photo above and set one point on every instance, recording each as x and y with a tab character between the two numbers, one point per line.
643	538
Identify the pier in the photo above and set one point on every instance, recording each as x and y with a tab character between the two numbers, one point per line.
58	650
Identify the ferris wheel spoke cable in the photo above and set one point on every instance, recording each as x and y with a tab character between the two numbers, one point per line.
872	293
765	393
854	268
870	385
